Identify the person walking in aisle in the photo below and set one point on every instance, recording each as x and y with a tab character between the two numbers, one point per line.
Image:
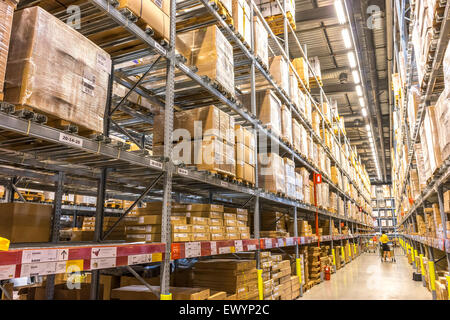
384	239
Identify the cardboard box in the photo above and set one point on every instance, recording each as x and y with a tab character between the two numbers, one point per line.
208	50
143	229
198	220
50	61
199	228
216	229
217	236
215	222
200	236
286	124
181	237
206	214
217	295
140	292
6	11
241	19
261	37
280	72
26	222
271	175
147	237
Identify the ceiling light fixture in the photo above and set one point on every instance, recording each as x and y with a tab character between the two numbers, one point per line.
355	75
340	11
364	112
358	90
346	37
351	59
362	103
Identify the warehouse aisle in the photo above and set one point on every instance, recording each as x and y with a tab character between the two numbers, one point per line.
369	278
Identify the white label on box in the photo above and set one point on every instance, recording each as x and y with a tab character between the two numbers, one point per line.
224	250
7	272
156	164
182	171
251	247
213	248
268	243
103	62
238	245
63	137
193	249
103	252
103	263
45	255
139	258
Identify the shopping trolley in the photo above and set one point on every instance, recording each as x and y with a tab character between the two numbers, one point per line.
372	246
391	247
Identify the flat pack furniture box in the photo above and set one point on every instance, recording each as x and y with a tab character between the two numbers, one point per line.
271	172
261	37
55	70
6	12
26	222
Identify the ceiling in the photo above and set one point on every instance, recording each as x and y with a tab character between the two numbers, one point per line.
318	28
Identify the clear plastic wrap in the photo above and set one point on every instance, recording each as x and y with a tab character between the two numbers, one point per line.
241	19
271	173
208	50
296	135
289	170
280	72
443	122
286	124
6	12
261	44
54	69
301	67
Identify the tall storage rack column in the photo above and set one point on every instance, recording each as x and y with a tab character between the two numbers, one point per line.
112	171
422	166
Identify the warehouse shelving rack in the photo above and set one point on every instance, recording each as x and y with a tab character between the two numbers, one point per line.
385	204
433	193
47	157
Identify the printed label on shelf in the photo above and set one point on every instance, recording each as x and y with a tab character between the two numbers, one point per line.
238	245
44	255
290	241
7	272
281	242
193	249
42	269
103	252
183	171
139	259
251	247
224	184
156	164
156	257
213	248
63	137
224	250
103	263
268	243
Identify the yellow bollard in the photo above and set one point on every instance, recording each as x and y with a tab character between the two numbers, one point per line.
166	296
260	285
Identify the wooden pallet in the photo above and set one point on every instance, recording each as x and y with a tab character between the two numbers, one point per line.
314	84
207	19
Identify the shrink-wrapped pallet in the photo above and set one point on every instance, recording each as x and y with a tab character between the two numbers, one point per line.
293	89
280	72
155	13
299	186
443	123
301	67
286	124
241	19
212	54
55	70
296	135
261	38
413	106
245	151
7	12
431	138
289	170
196	124
271	173
268	109
304	140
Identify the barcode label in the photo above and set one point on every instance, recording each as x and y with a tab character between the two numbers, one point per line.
213	248
238	245
103	263
268	243
30	256
70	139
139	258
106	252
156	164
193	249
251	247
290	241
224	250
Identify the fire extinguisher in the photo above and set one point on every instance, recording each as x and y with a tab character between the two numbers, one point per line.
327	270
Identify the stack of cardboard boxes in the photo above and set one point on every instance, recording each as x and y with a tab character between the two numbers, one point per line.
6	11
82	84
87	231
205	138
208	50
245	155
190	222
314	265
232	276
273	224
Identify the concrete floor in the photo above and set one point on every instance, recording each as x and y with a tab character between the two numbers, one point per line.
367	278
